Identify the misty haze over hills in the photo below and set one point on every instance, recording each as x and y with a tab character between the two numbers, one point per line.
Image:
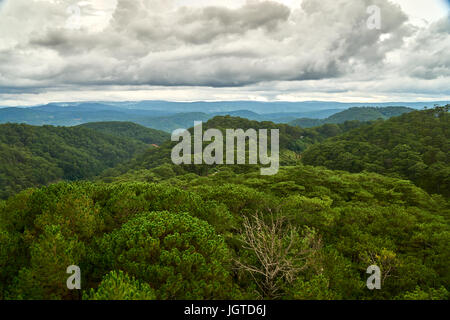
222	106
168	116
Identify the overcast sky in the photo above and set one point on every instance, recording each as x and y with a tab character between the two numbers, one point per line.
185	50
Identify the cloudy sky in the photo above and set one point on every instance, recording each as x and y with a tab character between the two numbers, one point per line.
186	50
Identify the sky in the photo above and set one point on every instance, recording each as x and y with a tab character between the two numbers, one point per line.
191	50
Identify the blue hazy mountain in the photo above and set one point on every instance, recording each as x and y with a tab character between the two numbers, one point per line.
167	116
259	106
263	107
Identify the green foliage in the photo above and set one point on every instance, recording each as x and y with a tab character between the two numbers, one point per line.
431	294
45	277
181	235
129	130
362	114
120	286
178	255
32	156
316	288
159	231
414	146
293	141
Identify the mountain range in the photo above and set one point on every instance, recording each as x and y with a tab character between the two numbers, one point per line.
168	116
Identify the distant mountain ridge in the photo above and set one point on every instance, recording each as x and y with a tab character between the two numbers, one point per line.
356	113
255	106
168	116
166	120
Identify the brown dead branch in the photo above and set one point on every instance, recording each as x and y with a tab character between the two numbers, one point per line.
280	251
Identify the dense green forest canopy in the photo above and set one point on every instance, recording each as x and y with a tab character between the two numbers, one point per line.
32	156
129	130
293	141
183	237
413	146
148	229
362	114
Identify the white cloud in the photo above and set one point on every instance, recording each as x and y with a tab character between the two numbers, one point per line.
204	50
423	11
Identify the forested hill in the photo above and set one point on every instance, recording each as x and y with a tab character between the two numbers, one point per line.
356	113
414	146
293	141
32	156
181	238
161	231
176	121
129	130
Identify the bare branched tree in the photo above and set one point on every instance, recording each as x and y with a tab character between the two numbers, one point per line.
386	260
280	251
